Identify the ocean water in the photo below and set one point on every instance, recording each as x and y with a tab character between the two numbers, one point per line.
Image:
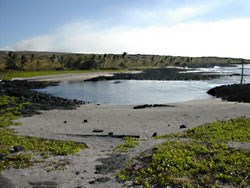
147	92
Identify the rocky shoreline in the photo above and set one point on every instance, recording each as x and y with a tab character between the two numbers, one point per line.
158	74
234	92
24	90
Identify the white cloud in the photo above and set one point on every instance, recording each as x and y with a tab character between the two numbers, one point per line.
40	43
185	13
227	38
167	14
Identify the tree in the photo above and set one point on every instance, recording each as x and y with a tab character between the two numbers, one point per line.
124	55
53	58
61	60
23	61
11	61
32	57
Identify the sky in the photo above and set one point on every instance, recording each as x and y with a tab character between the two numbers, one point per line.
163	27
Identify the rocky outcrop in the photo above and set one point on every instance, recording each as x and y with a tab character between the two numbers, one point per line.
38	101
235	92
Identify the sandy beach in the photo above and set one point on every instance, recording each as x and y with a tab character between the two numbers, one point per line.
98	165
67	77
80	170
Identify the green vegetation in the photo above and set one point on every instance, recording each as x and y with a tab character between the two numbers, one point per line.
31	61
129	142
25	74
233	130
9	109
201	159
44	147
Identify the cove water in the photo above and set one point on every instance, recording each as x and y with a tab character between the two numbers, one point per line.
144	91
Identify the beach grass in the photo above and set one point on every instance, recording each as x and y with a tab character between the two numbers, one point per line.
199	157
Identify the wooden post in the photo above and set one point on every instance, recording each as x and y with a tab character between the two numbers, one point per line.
242	71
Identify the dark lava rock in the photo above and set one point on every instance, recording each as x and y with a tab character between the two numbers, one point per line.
235	92
24	90
110	133
3	156
152	105
97	130
117	82
183	127
92	182
143	106
162	105
77	173
154	134
111	164
158	74
18	148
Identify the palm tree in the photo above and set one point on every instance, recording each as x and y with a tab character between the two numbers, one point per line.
23	61
11	61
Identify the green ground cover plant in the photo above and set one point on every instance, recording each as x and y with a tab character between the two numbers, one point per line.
9	110
202	159
237	130
129	143
18	150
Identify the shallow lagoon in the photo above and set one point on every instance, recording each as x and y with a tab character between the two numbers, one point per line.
144	91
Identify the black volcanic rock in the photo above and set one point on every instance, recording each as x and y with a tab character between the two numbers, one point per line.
183	127
158	74
38	101
235	92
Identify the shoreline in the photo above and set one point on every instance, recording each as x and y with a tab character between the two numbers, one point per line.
81	169
67	77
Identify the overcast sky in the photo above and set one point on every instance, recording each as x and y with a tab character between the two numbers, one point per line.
164	27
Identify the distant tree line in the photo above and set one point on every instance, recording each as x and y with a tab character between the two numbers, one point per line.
41	61
17	61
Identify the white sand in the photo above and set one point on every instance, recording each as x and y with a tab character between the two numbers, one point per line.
116	119
67	77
